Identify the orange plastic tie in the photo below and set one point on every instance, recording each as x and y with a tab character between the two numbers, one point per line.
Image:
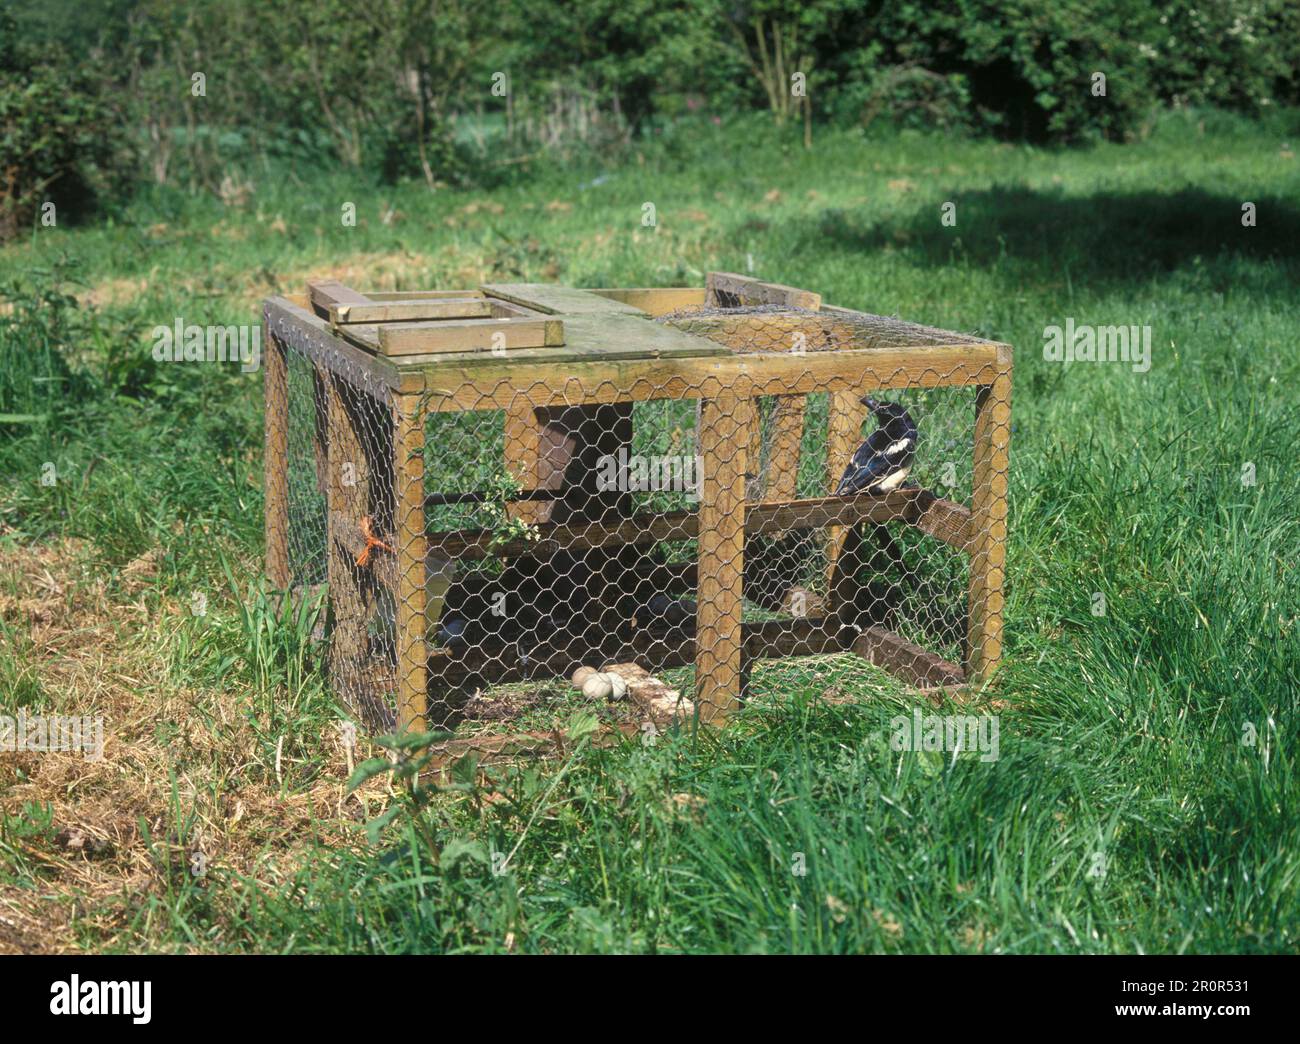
372	543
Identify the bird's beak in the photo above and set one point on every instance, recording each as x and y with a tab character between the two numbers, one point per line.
869	403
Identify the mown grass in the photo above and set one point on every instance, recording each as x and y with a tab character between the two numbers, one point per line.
1145	797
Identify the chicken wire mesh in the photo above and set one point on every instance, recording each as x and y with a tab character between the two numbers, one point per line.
685	535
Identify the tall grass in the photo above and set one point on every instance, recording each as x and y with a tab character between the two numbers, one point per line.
1145	798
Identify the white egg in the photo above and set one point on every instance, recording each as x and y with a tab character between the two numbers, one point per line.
597	687
581	675
618	687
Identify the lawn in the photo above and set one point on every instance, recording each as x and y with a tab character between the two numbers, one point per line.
1145	798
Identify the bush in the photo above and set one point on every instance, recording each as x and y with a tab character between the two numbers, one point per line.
414	90
1028	68
59	140
40	326
1239	54
910	96
59	355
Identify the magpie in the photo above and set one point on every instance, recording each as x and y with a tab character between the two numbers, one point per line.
881	463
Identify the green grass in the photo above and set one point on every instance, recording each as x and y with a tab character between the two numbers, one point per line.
1156	741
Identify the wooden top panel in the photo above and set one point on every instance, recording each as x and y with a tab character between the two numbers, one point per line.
614	329
589	337
558	300
729	290
608	373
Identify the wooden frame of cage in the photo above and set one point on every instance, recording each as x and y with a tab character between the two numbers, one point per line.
429	352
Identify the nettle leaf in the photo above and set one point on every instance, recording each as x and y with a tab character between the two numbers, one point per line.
367	769
410	740
460	849
375	827
582	725
465	770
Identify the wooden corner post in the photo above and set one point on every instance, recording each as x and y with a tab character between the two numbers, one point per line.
725	428
988	523
843	434
275	480
347	491
411	546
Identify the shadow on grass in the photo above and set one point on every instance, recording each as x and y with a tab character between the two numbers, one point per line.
1101	239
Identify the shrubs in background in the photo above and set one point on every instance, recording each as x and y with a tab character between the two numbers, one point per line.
59	139
1026	69
461	91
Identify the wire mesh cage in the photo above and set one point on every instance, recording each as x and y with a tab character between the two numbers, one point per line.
525	498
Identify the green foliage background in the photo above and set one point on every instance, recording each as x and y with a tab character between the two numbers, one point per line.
101	94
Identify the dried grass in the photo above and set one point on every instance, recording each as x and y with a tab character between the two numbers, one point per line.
100	650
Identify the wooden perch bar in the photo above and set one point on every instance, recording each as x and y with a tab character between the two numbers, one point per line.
941	519
905	660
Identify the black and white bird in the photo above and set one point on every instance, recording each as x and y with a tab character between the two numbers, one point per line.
882	462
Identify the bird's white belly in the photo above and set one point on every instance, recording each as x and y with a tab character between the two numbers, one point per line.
891	482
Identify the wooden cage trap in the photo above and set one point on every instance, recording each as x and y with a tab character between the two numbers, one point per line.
499	486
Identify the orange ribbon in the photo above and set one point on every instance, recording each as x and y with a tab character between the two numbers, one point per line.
372	542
